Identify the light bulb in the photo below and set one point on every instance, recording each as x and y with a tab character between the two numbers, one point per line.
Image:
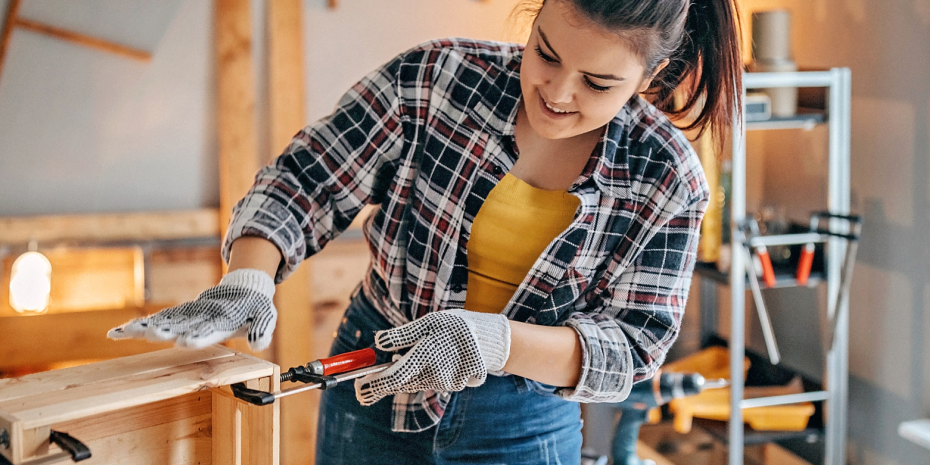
30	283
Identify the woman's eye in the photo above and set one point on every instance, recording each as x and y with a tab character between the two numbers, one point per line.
594	86
546	58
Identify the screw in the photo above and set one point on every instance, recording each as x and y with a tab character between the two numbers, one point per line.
4	439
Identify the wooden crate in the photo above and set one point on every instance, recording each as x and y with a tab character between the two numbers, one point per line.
172	406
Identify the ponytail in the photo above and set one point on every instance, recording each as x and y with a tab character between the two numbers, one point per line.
706	70
700	40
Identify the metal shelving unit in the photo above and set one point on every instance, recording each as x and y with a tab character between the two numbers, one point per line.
836	82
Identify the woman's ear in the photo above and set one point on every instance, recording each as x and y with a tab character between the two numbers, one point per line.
648	82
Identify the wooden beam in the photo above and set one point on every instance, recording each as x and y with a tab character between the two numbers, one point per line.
83	39
286	87
293	338
11	11
114	227
238	139
63	337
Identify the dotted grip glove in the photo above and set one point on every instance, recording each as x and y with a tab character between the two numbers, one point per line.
239	306
449	350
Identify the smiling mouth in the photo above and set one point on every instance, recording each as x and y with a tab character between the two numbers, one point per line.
555	110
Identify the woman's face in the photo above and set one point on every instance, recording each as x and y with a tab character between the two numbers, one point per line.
575	75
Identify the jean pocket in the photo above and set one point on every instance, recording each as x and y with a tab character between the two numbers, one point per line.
349	337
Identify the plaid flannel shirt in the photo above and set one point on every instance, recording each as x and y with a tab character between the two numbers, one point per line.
619	275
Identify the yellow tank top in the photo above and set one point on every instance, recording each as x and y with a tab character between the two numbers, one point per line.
513	227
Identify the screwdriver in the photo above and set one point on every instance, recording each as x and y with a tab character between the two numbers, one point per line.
323	374
336	364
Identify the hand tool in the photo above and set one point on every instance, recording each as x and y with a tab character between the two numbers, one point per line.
853	229
805	262
663	388
768	273
71	448
322	374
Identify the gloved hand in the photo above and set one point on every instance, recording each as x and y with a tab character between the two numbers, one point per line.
240	305
449	350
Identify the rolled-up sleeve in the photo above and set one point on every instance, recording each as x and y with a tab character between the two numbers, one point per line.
626	338
311	193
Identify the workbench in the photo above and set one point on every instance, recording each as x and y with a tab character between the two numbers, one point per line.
171	406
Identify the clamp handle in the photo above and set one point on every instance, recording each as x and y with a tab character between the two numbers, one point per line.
69	445
76	448
252	396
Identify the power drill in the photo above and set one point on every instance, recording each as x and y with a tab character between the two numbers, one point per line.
660	390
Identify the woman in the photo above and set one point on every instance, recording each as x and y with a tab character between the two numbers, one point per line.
538	222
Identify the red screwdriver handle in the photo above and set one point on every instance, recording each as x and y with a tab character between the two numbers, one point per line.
768	273
804	264
344	362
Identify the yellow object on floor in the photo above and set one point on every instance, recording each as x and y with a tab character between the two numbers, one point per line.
714	404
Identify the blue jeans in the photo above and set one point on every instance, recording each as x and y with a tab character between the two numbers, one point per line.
507	420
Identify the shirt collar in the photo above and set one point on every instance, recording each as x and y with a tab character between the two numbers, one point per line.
608	166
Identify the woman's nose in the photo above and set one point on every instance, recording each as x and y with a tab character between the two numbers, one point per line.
558	89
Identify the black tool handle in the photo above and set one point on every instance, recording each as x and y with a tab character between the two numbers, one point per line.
252	396
76	448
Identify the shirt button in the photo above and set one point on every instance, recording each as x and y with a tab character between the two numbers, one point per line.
457	287
497	170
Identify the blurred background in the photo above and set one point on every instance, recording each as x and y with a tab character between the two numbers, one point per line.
128	128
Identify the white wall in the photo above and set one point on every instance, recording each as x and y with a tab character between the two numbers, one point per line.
86	131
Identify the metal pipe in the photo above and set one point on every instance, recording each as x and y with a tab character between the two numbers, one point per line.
814	396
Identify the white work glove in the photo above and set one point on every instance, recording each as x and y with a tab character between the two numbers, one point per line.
449	350
239	306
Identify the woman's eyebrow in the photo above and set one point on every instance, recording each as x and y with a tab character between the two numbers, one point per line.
608	77
542	36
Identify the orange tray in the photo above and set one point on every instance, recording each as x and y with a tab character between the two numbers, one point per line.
714	404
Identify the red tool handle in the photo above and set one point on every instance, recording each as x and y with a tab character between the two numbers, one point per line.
768	273
805	261
348	361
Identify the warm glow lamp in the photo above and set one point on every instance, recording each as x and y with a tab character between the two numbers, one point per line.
30	283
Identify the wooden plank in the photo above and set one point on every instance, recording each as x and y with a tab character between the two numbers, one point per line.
261	427
227	431
140	417
182	442
14	452
236	96
286	89
36	441
111	227
12	10
236	120
91	399
39	384
83	39
293	339
46	339
40	399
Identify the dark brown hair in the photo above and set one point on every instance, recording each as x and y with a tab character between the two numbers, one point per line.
700	38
